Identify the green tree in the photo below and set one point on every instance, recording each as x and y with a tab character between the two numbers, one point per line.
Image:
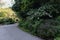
23	6
39	17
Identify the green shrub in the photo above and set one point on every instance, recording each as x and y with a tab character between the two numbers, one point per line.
46	29
1	21
58	18
48	11
6	21
30	26
39	17
9	21
49	29
7	17
42	21
24	5
2	14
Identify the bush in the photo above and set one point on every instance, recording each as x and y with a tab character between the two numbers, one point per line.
49	29
23	5
1	20
2	14
7	16
58	18
29	26
39	17
46	29
9	21
6	21
48	11
42	21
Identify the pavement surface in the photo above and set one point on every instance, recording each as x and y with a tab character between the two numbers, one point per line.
12	32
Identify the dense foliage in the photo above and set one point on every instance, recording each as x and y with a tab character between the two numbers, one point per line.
7	16
39	17
23	6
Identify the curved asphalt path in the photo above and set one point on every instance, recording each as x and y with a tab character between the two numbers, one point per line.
11	32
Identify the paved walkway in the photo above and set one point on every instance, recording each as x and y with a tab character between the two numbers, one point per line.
11	32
